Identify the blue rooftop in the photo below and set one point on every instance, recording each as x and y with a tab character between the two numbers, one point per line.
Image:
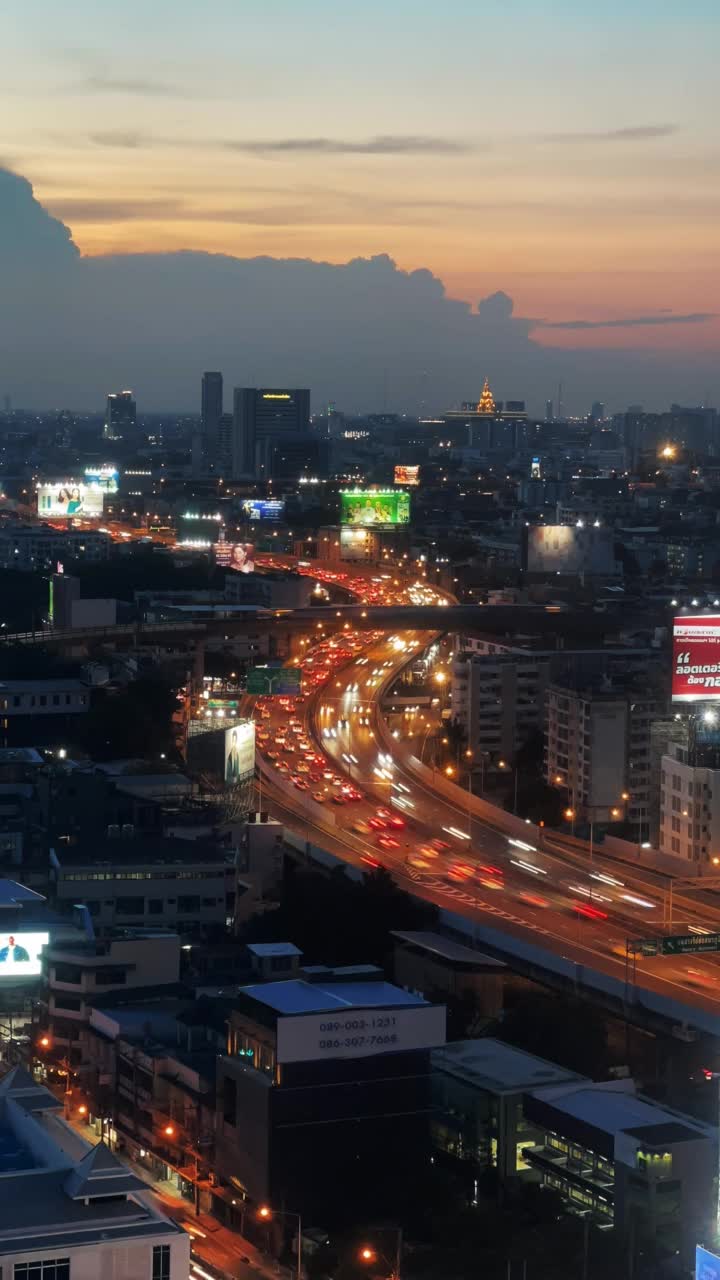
296	996
13	1156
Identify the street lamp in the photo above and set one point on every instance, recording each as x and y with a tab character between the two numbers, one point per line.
368	1254
266	1214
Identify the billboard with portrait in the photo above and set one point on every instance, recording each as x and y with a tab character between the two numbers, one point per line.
69	499
374	508
696	658
406	475
239	556
239	751
20	954
263	509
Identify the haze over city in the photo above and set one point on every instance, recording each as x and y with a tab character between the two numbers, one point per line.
404	200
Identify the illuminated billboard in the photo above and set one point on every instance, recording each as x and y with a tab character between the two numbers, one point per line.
105	477
696	658
71	499
359	1033
20	954
239	556
374	508
239	752
406	475
263	509
571	549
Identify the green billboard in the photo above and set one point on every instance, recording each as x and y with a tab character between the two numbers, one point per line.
374	508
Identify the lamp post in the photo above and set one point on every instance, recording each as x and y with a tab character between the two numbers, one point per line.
369	1254
266	1214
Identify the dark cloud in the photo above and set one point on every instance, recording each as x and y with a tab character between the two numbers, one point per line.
497	306
145	88
384	145
631	322
631	133
361	333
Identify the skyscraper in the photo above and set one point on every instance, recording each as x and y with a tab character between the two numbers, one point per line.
210	413
264	418
120	415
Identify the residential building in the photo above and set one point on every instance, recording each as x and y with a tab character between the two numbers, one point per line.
70	1211
120	415
137	880
264	418
76	973
597	745
499	698
149	1061
38	546
336	1062
689	825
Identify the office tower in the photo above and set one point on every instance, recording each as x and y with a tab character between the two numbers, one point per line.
120	415
264	418
549	415
210	413
597	412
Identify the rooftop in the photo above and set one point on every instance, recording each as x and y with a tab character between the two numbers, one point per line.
614	1108
13	894
446	949
142	851
296	996
498	1067
263	949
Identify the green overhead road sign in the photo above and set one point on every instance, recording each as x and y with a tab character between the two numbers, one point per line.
683	943
269	681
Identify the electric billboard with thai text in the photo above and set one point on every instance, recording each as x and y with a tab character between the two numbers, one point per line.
374	508
407	475
696	659
70	500
239	751
20	954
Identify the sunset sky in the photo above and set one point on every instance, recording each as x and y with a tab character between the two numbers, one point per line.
564	152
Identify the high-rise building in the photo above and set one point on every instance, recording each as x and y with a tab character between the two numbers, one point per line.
120	415
597	411
264	418
549	412
210	413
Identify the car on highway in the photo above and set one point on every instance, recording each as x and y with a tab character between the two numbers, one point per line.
377	824
395	821
300	783
440	846
319	797
387	842
362	827
338	798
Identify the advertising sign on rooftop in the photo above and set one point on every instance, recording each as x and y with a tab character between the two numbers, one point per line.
20	954
406	475
375	508
358	1033
696	658
239	556
239	751
707	1264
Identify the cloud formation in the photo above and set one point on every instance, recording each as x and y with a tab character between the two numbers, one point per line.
383	145
630	322
630	133
145	88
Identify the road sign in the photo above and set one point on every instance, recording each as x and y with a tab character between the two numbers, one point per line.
684	943
274	681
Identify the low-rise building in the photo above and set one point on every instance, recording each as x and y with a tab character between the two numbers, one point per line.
69	1211
34	712
29	547
183	884
77	973
336	1063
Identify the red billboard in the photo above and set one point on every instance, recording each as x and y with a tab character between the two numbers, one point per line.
696	658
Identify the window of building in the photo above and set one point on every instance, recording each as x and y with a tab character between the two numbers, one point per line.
161	1262
46	1269
113	976
188	902
155	906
